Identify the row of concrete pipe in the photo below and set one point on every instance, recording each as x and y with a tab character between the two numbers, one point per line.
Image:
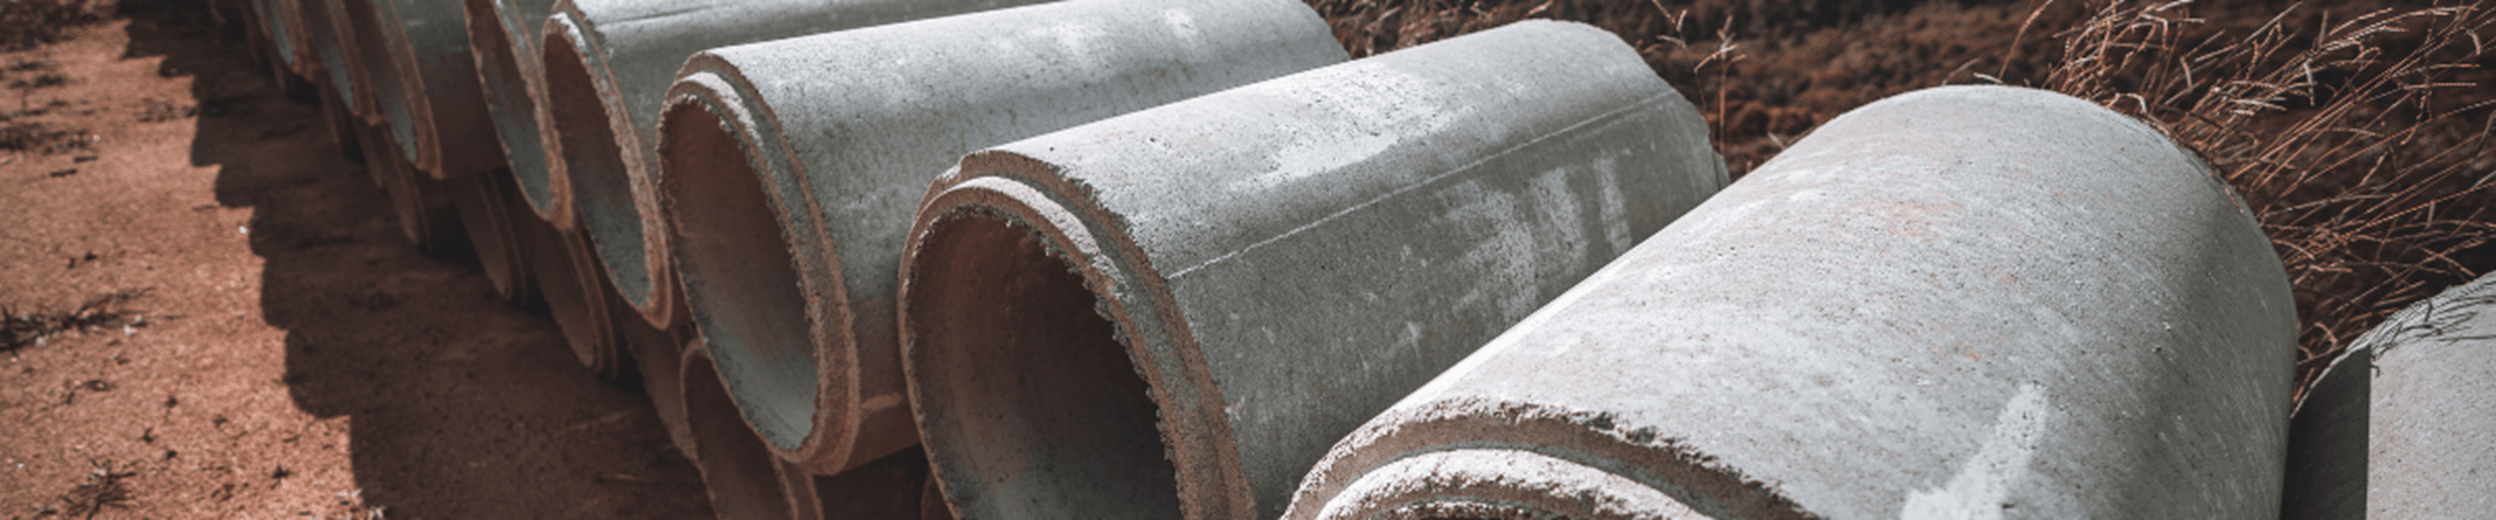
1180	258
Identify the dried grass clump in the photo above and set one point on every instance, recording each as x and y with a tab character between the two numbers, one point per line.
2361	142
104	311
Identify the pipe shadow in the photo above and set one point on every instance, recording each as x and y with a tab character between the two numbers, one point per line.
459	406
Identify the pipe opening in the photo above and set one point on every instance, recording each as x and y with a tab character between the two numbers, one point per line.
742	475
593	166
559	282
1027	385
506	95
740	281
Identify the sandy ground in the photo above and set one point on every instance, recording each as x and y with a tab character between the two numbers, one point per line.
292	356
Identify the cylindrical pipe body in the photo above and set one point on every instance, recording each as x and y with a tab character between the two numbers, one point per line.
447	128
889	487
659	357
794	170
742	477
1277	262
378	81
2404	425
1954	303
577	308
607	64
502	38
486	212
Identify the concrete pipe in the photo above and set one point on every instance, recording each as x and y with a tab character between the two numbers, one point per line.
486	213
1175	312
422	204
607	65
446	124
890	487
1962	302
792	177
502	38
2404	425
380	82
660	358
932	502
578	308
743	478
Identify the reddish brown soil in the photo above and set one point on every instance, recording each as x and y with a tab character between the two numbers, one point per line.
297	358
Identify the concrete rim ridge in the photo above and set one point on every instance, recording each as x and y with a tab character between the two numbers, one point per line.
824	209
577	308
717	135
503	42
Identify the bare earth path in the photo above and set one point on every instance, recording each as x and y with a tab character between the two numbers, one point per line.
291	356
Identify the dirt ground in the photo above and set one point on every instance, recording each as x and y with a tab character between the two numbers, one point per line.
288	354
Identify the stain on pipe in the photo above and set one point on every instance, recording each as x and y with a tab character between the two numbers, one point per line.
2403	426
1175	312
1961	302
502	38
791	175
607	65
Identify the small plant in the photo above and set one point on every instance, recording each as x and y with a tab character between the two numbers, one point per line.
105	311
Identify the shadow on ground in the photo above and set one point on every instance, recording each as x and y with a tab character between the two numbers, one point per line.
459	406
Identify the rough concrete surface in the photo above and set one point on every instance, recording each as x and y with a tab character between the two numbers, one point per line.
2404	426
503	39
792	169
1175	312
608	62
448	129
1961	302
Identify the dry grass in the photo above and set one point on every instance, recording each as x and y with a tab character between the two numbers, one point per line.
25	24
2362	143
2361	140
103	312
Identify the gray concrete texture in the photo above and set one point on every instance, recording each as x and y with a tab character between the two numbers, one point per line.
607	65
380	89
1175	312
1961	302
502	38
792	169
2404	425
448	130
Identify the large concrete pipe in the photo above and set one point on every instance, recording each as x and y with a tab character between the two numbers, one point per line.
447	132
423	205
607	66
791	174
1177	311
1962	302
889	488
502	38
2404	425
489	214
660	358
744	480
578	308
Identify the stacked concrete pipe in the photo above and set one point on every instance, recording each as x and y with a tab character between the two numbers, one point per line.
502	38
607	65
489	208
743	479
1175	312
2404	424
577	307
446	124
1963	302
792	168
889	487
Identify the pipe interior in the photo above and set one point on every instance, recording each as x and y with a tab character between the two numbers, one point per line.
1025	386
482	218
740	281
507	97
886	488
738	469
594	167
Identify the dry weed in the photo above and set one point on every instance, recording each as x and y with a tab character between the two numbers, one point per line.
104	311
2362	144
